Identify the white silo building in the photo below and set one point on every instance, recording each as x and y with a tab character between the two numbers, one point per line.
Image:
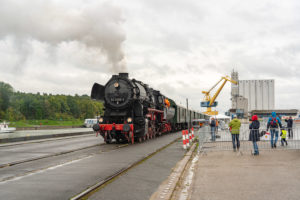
251	95
260	93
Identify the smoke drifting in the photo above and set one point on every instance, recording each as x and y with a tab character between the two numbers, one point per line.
96	25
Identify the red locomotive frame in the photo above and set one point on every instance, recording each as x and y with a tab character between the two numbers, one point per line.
152	130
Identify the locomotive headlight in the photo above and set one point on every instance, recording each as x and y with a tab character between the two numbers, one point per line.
129	119
101	120
116	84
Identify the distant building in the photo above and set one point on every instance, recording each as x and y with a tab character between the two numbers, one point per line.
260	93
250	95
283	112
239	104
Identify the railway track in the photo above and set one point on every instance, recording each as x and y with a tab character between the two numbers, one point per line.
76	173
102	183
8	164
47	156
104	149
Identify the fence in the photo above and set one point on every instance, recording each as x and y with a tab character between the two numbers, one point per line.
223	140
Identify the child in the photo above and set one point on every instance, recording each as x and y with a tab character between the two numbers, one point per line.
283	137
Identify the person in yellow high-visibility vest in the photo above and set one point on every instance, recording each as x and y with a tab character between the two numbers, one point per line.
235	125
283	137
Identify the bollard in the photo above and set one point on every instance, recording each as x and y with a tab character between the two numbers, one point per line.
187	138
193	136
183	139
190	137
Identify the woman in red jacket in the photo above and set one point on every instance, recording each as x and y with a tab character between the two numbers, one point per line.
254	133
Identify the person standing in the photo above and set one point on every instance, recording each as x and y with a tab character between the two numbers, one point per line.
217	126
235	125
254	133
290	126
213	129
273	124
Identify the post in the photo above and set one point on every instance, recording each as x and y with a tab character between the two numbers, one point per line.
187	115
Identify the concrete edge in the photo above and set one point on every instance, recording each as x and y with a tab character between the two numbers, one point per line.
37	137
167	187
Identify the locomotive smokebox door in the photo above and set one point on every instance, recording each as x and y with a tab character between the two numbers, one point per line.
126	127
98	92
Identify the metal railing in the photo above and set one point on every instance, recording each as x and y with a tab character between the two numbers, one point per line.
223	139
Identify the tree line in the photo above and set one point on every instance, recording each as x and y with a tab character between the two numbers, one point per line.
15	106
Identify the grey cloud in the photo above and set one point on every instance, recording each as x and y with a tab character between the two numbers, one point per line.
178	47
96	25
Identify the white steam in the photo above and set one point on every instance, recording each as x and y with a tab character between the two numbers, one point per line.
96	25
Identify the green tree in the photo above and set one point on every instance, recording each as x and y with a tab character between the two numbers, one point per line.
19	105
6	92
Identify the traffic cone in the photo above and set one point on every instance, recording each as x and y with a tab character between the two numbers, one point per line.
193	136
187	138
183	140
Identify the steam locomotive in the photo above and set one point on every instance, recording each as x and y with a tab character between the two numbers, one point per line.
136	112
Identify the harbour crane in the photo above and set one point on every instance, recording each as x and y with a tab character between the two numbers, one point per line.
209	101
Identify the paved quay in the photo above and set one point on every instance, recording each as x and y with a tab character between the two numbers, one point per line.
274	174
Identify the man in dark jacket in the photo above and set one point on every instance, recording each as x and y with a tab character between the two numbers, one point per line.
213	129
290	126
254	133
273	124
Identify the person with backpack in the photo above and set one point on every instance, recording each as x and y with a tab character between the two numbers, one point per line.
213	129
273	124
254	135
234	126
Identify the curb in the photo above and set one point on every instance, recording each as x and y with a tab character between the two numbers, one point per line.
166	189
37	137
45	127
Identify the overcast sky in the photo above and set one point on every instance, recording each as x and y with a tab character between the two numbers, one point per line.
178	47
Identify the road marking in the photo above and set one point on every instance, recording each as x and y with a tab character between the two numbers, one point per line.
39	171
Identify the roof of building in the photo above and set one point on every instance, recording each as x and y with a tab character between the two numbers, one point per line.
279	111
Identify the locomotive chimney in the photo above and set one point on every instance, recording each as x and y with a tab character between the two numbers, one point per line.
124	75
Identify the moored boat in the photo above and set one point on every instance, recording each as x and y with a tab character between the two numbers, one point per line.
5	129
